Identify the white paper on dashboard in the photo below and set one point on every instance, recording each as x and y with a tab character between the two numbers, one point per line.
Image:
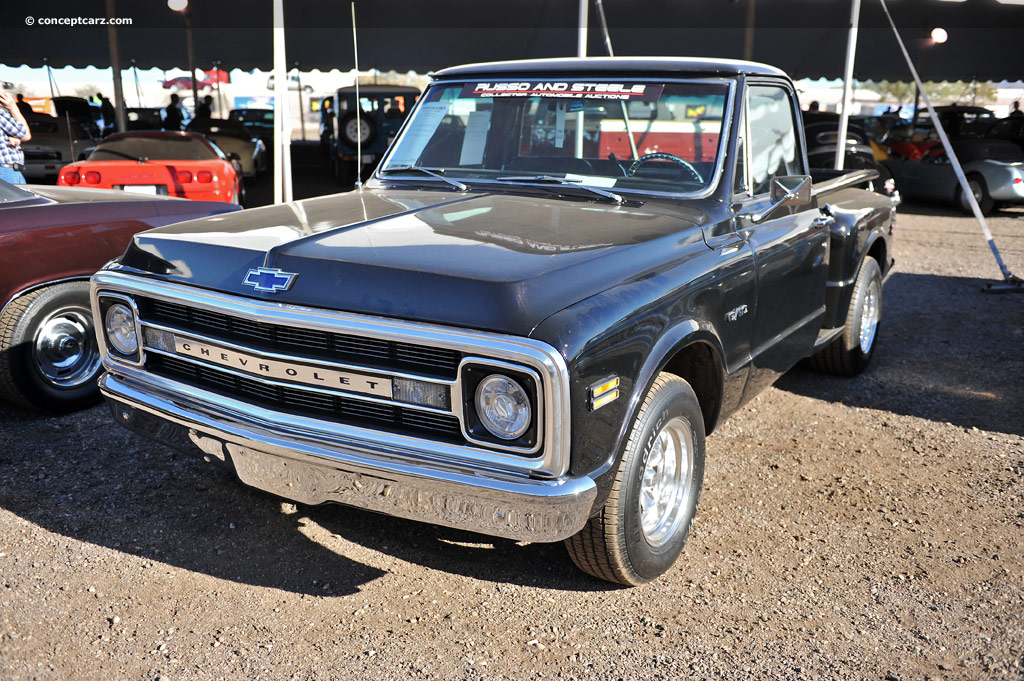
560	125
592	180
428	118
476	138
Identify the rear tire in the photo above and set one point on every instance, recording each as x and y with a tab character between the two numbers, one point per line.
645	522
977	185
851	353
49	356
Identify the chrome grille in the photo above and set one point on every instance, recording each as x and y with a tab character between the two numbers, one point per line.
320	405
375	353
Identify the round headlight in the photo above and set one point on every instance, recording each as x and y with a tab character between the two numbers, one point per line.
119	323
503	406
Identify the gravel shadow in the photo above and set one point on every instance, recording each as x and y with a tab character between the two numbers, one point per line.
946	352
482	557
119	491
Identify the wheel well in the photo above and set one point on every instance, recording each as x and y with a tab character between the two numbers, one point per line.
698	365
877	251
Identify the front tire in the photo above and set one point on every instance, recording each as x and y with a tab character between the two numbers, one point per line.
49	357
645	522
851	353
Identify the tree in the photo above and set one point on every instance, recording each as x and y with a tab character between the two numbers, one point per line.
959	92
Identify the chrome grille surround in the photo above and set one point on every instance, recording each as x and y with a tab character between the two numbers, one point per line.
549	458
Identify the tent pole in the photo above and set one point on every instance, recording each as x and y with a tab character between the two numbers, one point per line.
282	141
581	51
115	65
851	55
748	36
1010	282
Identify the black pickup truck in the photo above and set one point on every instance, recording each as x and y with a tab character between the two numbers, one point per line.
563	275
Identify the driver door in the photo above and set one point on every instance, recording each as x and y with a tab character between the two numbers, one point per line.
790	246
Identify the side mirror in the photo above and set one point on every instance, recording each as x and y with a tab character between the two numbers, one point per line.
791	190
787	190
233	156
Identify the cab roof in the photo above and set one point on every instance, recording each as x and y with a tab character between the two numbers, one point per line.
632	66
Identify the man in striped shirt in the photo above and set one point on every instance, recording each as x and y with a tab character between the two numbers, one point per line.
13	131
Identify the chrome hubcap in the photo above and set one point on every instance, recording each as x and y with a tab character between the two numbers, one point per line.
869	316
666	482
65	348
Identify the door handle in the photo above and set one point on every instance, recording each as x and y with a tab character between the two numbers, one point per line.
826	218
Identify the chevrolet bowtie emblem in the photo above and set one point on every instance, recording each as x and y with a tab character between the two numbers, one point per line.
269	279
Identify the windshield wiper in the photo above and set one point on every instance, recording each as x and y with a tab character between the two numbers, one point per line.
561	181
426	171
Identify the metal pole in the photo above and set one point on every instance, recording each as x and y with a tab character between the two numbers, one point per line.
302	111
282	141
603	21
49	75
1010	282
359	106
748	36
581	51
191	57
115	65
844	116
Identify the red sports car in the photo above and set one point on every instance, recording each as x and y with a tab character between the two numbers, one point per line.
52	239
159	163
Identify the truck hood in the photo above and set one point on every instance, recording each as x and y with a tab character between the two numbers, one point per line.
498	262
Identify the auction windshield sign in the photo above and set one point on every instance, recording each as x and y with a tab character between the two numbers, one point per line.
633	92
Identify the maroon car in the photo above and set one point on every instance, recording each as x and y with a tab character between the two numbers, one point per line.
51	240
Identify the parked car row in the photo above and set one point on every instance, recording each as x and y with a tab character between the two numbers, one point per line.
990	150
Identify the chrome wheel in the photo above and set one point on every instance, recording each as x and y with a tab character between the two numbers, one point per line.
871	312
667	478
65	350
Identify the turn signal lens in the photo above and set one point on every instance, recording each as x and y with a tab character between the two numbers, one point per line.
119	323
204	176
92	177
183	176
72	177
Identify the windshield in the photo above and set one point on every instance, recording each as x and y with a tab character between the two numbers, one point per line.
573	130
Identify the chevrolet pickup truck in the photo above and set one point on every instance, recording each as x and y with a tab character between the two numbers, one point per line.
562	276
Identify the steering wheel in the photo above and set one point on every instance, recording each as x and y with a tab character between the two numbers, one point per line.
664	157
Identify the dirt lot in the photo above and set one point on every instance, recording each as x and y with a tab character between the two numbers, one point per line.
849	529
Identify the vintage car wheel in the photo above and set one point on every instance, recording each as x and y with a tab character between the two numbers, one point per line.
49	357
644	524
351	132
977	185
851	353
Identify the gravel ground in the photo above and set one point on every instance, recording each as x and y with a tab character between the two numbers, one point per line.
849	529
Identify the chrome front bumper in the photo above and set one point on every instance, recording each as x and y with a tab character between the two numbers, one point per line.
357	473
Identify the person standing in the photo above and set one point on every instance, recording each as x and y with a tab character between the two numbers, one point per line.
24	106
173	117
13	131
205	109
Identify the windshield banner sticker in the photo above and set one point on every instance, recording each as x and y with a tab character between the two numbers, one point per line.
632	92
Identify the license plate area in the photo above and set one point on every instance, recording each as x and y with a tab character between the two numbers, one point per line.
148	189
